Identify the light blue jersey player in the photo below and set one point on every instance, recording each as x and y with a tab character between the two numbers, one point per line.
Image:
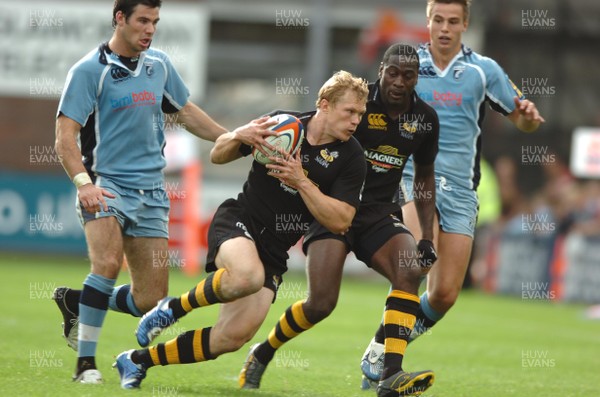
459	94
114	102
121	111
457	83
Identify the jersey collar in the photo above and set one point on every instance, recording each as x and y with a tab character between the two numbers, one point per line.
108	57
464	51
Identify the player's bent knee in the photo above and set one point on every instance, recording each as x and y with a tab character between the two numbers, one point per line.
247	282
406	279
413	275
234	341
316	311
443	298
106	266
232	345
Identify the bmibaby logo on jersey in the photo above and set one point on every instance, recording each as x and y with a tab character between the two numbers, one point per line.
133	100
442	99
384	158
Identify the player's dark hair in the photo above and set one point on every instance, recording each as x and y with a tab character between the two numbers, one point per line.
407	53
127	6
466	4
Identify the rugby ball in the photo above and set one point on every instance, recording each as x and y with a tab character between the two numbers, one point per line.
290	133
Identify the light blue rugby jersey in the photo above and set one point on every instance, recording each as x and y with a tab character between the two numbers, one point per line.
122	114
458	94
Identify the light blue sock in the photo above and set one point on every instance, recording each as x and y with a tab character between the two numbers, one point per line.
427	317
93	305
122	301
428	310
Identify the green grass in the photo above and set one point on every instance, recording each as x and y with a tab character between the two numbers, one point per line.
478	350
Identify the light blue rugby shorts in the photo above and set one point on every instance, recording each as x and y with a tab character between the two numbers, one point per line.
141	213
457	207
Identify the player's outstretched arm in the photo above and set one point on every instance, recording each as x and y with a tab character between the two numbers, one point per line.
253	134
335	215
199	123
226	149
526	116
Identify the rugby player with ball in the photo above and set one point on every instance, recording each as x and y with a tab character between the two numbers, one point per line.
249	236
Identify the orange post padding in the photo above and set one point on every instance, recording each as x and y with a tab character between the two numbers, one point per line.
558	266
184	219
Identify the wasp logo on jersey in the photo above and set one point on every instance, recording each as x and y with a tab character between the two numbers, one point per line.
384	158
408	130
411	124
376	121
326	157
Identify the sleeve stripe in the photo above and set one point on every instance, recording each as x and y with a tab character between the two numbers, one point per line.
172	101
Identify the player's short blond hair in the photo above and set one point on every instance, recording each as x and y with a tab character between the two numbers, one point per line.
339	83
466	4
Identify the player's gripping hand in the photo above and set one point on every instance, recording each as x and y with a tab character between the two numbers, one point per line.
287	168
92	198
255	132
427	254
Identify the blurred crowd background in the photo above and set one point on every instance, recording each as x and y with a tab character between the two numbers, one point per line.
539	226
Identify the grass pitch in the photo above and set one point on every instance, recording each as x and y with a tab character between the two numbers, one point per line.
487	346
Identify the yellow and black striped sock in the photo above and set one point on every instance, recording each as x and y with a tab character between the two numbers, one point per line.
398	321
189	347
292	323
207	292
